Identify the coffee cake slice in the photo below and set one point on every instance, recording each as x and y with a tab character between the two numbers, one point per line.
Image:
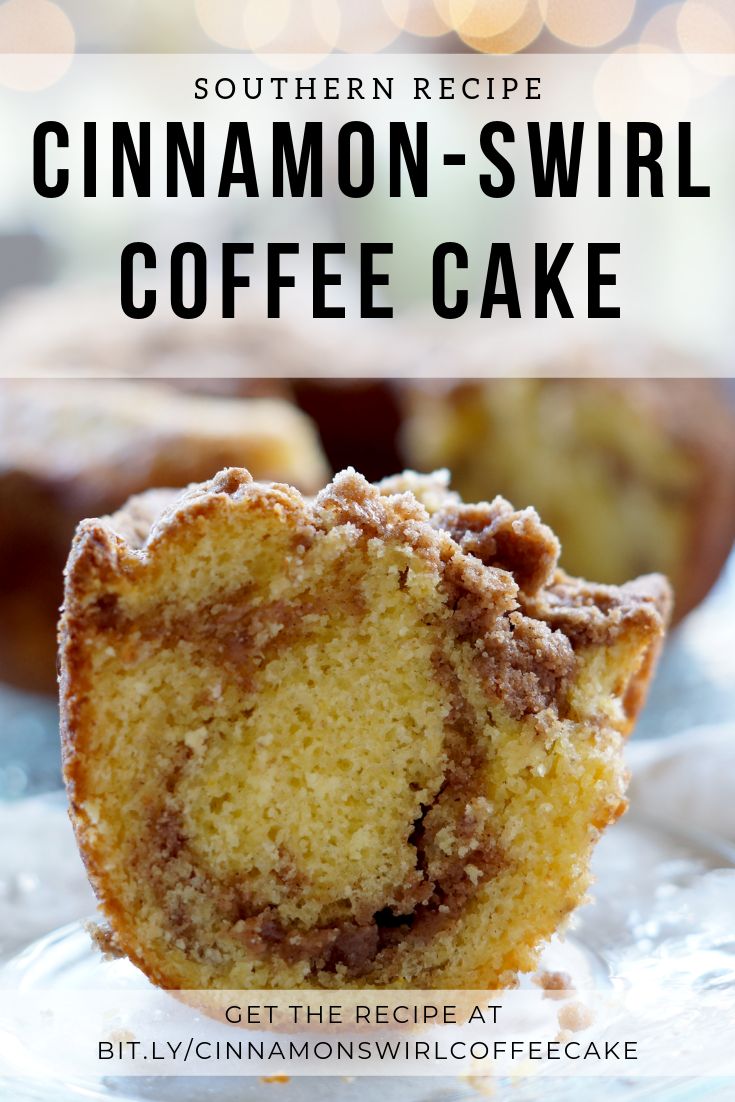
364	740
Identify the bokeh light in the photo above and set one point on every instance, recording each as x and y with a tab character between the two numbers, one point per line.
369	28
660	30
636	75
422	18
223	21
478	18
102	26
299	26
702	29
517	37
706	30
587	23
707	26
262	22
664	31
37	27
272	26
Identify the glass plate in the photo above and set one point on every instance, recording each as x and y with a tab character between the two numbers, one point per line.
662	914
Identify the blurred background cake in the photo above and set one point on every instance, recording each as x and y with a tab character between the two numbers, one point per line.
70	450
634	475
75	328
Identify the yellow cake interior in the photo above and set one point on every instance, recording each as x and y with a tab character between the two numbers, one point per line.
285	765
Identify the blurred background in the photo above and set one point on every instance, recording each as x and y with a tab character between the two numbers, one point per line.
623	59
501	26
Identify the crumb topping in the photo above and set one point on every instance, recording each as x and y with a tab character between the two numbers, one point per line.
501	536
498	566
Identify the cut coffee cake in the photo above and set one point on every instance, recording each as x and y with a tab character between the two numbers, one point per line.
364	740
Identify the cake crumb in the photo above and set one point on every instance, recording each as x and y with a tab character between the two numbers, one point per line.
124	1036
196	740
104	939
575	1017
555	985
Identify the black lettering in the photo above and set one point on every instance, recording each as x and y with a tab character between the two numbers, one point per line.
687	189
487	145
127	299
638	160
238	150
256	91
416	161
556	165
439	280
199	300
229	86
40	180
275	279
136	158
178	152
90	160
603	160
547	279
370	279
500	262
323	279
596	280
309	160
230	281
344	160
